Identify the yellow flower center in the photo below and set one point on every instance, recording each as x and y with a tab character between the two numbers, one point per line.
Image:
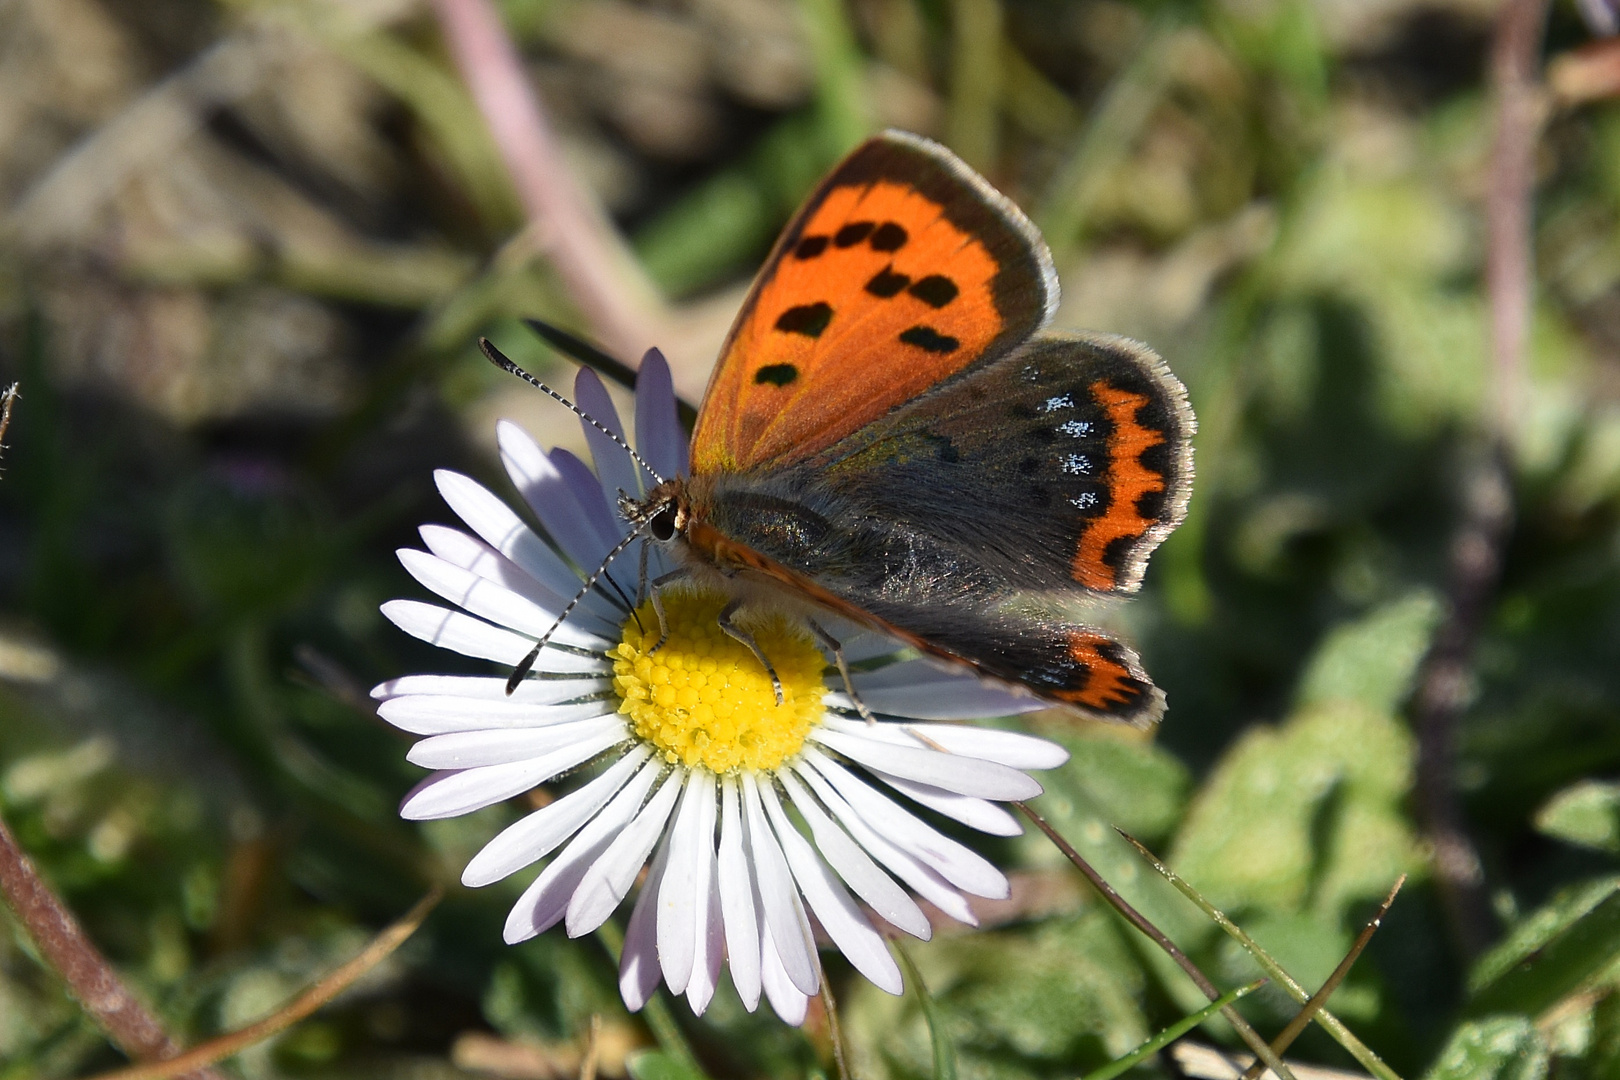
703	698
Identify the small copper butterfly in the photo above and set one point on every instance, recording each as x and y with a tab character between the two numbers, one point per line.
892	434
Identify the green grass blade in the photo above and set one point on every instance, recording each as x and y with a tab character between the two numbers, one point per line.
1335	1027
1172	1033
944	1052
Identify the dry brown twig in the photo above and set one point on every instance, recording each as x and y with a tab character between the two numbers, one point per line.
1487	511
317	995
59	939
1245	1031
62	943
1307	1013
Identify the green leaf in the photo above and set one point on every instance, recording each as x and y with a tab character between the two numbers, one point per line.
1136	785
1057	997
1307	816
1586	814
1493	1048
1372	660
657	1065
1551	953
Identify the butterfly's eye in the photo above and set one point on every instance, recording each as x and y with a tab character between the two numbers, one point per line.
662	525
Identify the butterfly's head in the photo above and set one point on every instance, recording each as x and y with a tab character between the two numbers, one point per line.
665	512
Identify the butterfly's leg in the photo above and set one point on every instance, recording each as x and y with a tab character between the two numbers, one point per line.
833	645
738	633
641	579
658	605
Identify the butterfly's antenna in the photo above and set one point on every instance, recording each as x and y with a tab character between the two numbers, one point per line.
500	360
592	357
526	665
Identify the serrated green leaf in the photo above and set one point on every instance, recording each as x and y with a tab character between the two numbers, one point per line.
1493	1048
1586	814
1306	816
1372	659
1551	953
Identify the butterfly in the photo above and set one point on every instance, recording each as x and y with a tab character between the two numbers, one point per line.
892	434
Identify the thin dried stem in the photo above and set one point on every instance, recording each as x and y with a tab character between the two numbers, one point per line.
1245	1031
62	943
593	1049
602	277
1300	1022
834	1031
1487	511
301	1006
1335	1027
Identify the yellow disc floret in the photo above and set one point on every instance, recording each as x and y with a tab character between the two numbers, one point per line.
703	698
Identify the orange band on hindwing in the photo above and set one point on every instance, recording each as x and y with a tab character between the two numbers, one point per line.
1110	686
1128	480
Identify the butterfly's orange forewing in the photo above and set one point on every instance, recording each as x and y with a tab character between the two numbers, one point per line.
886	269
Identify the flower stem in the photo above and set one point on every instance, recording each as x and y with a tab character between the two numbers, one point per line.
1245	1031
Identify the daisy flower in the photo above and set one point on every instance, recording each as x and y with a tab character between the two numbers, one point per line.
757	816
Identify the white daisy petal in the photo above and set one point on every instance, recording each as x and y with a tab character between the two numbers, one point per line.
659	438
827	897
475	749
599	506
957	699
963	775
494	521
545	901
737	897
958	864
711	951
979	814
1010	748
608	881
551	497
450	794
460	632
472	554
686	884
638	961
615	467
593	499
787	1000
538	834
778	901
433	714
488	688
489	600
855	866
926	881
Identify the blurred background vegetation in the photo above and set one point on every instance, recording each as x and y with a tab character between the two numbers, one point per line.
246	247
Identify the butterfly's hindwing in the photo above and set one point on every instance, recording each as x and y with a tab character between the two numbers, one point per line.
1059	466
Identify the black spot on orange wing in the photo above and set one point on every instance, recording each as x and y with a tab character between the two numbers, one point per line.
886	283
853	233
929	340
935	290
776	374
807	319
809	247
889	236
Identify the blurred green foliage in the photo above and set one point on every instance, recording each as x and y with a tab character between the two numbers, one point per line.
243	328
